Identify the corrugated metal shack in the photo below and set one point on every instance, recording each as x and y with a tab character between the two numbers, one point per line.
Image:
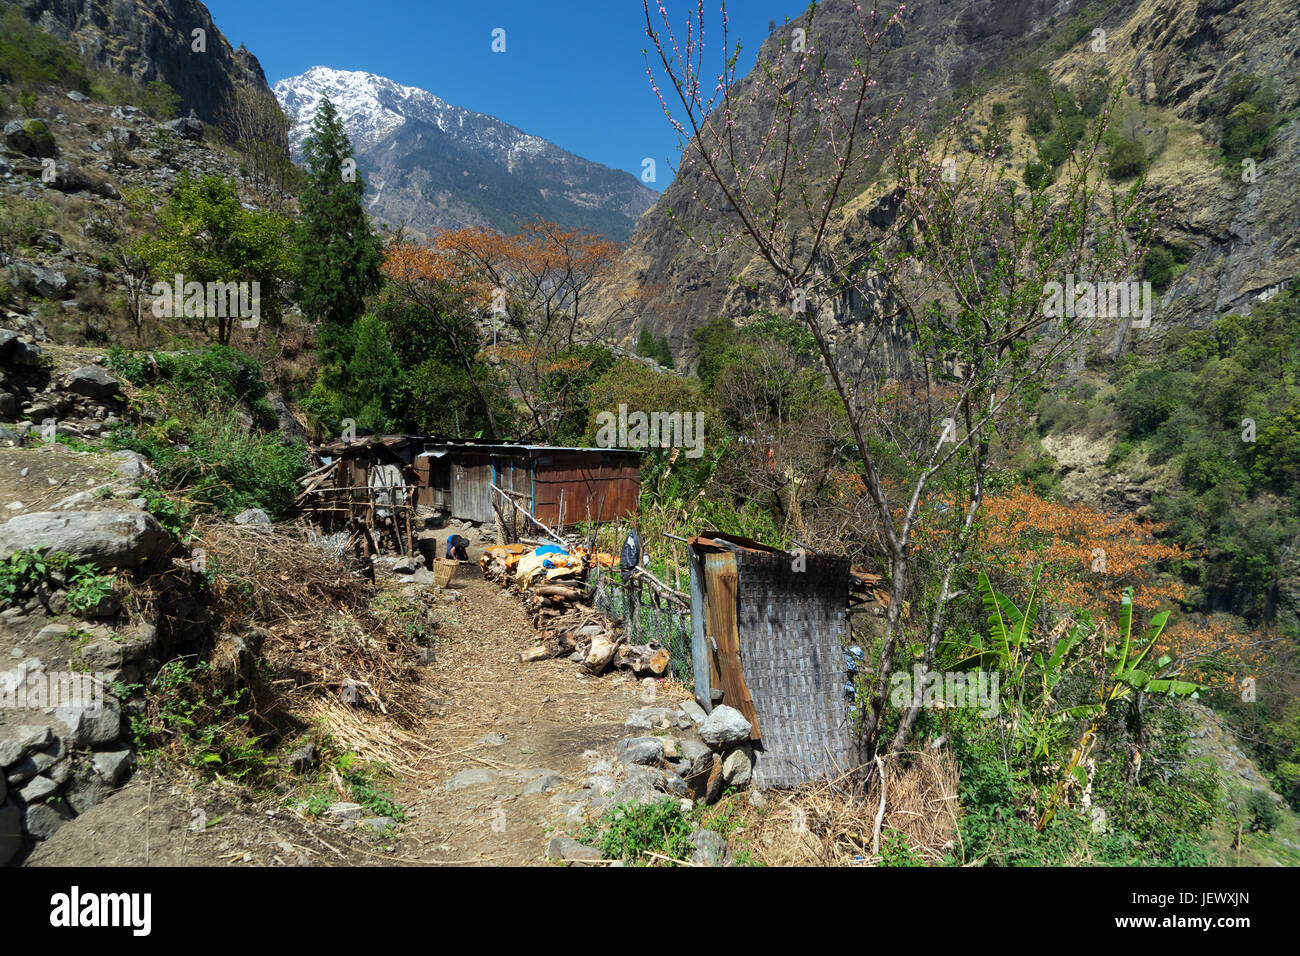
769	636
558	486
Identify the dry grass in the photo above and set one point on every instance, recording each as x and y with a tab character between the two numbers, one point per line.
333	636
823	825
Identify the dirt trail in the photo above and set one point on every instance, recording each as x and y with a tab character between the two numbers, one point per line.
546	714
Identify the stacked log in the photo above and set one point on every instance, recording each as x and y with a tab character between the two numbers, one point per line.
567	623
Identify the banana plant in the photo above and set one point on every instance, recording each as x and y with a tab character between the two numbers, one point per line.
1032	671
1128	680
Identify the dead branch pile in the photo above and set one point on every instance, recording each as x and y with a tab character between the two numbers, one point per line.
331	633
567	623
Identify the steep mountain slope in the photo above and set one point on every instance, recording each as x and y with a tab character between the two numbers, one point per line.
150	40
1171	56
433	165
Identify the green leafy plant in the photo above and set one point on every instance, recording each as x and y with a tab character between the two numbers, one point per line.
631	831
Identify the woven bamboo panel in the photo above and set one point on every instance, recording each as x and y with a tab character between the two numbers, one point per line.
792	626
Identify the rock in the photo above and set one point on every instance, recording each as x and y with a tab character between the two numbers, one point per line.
757	800
37	789
724	728
710	849
112	764
11	832
376	825
600	784
42	819
30	137
640	750
494	739
135	470
93	382
187	127
546	781
648	718
86	789
675	785
253	516
471	778
40	281
736	768
302	759
694	711
109	539
8	405
47	760
124	135
19	741
713	784
346	810
565	849
91	722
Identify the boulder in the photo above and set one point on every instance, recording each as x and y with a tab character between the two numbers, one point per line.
694	711
187	127
124	135
86	789
724	728
17	742
91	722
645	750
31	137
253	516
111	764
713	784
38	280
110	539
471	778
710	849
737	767
564	849
48	760
93	382
42	819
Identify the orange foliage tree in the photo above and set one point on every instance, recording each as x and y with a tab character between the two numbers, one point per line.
534	281
1088	559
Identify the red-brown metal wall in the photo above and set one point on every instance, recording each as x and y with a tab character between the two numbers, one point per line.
588	485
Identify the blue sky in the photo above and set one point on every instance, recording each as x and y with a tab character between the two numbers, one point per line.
572	71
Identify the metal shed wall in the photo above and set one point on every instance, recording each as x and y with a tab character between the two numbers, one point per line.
471	487
791	628
584	485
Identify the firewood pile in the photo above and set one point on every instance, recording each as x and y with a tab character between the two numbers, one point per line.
567	623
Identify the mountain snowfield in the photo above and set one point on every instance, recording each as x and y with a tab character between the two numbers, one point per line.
431	165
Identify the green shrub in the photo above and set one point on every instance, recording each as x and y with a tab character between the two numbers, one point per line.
1264	814
630	831
1126	158
1246	111
190	719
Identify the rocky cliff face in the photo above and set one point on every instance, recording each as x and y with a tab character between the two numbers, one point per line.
154	40
1168	54
432	165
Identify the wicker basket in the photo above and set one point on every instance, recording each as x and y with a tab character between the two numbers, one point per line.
443	571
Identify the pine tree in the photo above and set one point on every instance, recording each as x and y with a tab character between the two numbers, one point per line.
338	253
